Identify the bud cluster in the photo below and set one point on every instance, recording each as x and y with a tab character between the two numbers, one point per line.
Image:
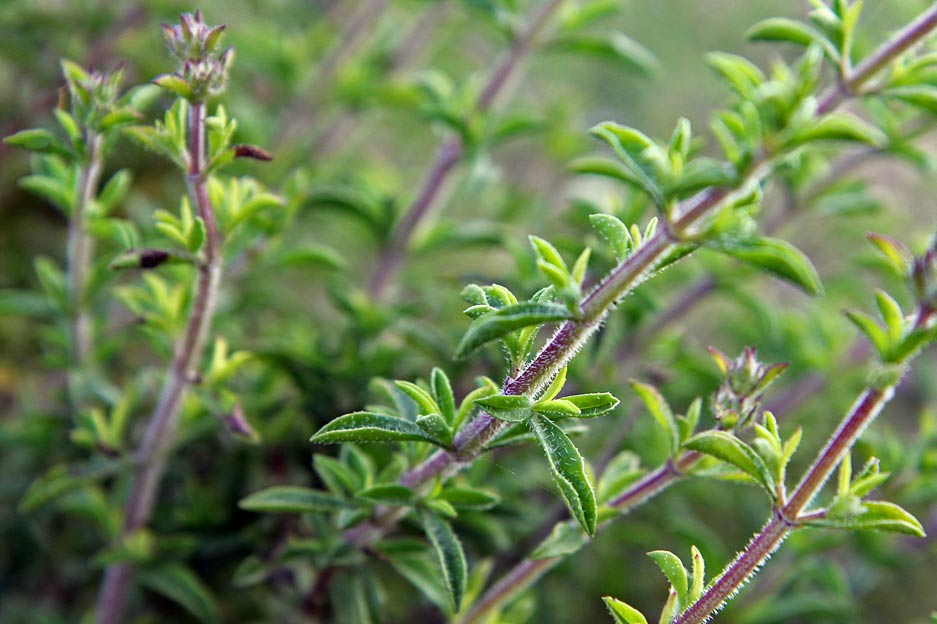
203	64
739	396
92	94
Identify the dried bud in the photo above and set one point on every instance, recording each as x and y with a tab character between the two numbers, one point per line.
924	278
237	424
149	259
252	151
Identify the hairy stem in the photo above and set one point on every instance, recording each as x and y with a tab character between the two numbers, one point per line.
450	153
80	250
602	299
160	433
527	571
786	519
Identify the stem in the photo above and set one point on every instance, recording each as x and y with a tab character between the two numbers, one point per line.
450	153
80	246
160	433
564	344
785	520
528	570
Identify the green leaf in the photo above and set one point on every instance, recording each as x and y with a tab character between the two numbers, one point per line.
565	539
436	427
673	569
615	46
742	75
370	427
569	471
659	408
622	612
838	127
594	404
876	516
595	165
623	470
921	96
174	84
115	191
177	583
730	449
556	385
442	392
35	139
469	498
777	257
508	407
498	323
615	233
632	146
556	408
292	499
891	314
449	555
790	31
387	494
868	326
699	574
424	401
422	572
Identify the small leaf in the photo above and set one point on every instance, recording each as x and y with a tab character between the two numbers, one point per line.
592	405
496	324
565	539
35	139
177	583
174	84
891	314
509	407
730	449
555	386
370	427
449	555
868	326
622	612
442	392
790	31
699	574
673	569
387	494
424	401
436	427
876	516
615	234
777	257
569	471
469	498
839	127
292	499
659	408
898	256
556	408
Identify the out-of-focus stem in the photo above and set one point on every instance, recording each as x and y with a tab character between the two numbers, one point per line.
450	153
80	250
160	433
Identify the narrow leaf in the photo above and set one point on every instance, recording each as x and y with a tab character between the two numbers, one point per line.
569	471
496	324
777	257
730	449
292	499
512	408
449	555
622	612
659	408
369	427
179	584
673	569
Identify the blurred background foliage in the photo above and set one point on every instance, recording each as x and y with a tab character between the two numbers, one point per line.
352	100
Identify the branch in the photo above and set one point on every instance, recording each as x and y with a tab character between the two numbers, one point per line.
450	153
160	433
80	251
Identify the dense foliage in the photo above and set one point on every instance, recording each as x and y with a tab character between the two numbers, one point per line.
237	384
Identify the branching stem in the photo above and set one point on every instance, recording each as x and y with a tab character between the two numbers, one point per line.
160	433
449	154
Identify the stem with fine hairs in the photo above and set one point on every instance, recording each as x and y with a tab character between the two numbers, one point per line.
160	433
571	335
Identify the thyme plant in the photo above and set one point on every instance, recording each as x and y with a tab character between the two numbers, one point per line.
213	339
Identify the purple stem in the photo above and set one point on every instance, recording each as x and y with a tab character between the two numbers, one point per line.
450	153
160	433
